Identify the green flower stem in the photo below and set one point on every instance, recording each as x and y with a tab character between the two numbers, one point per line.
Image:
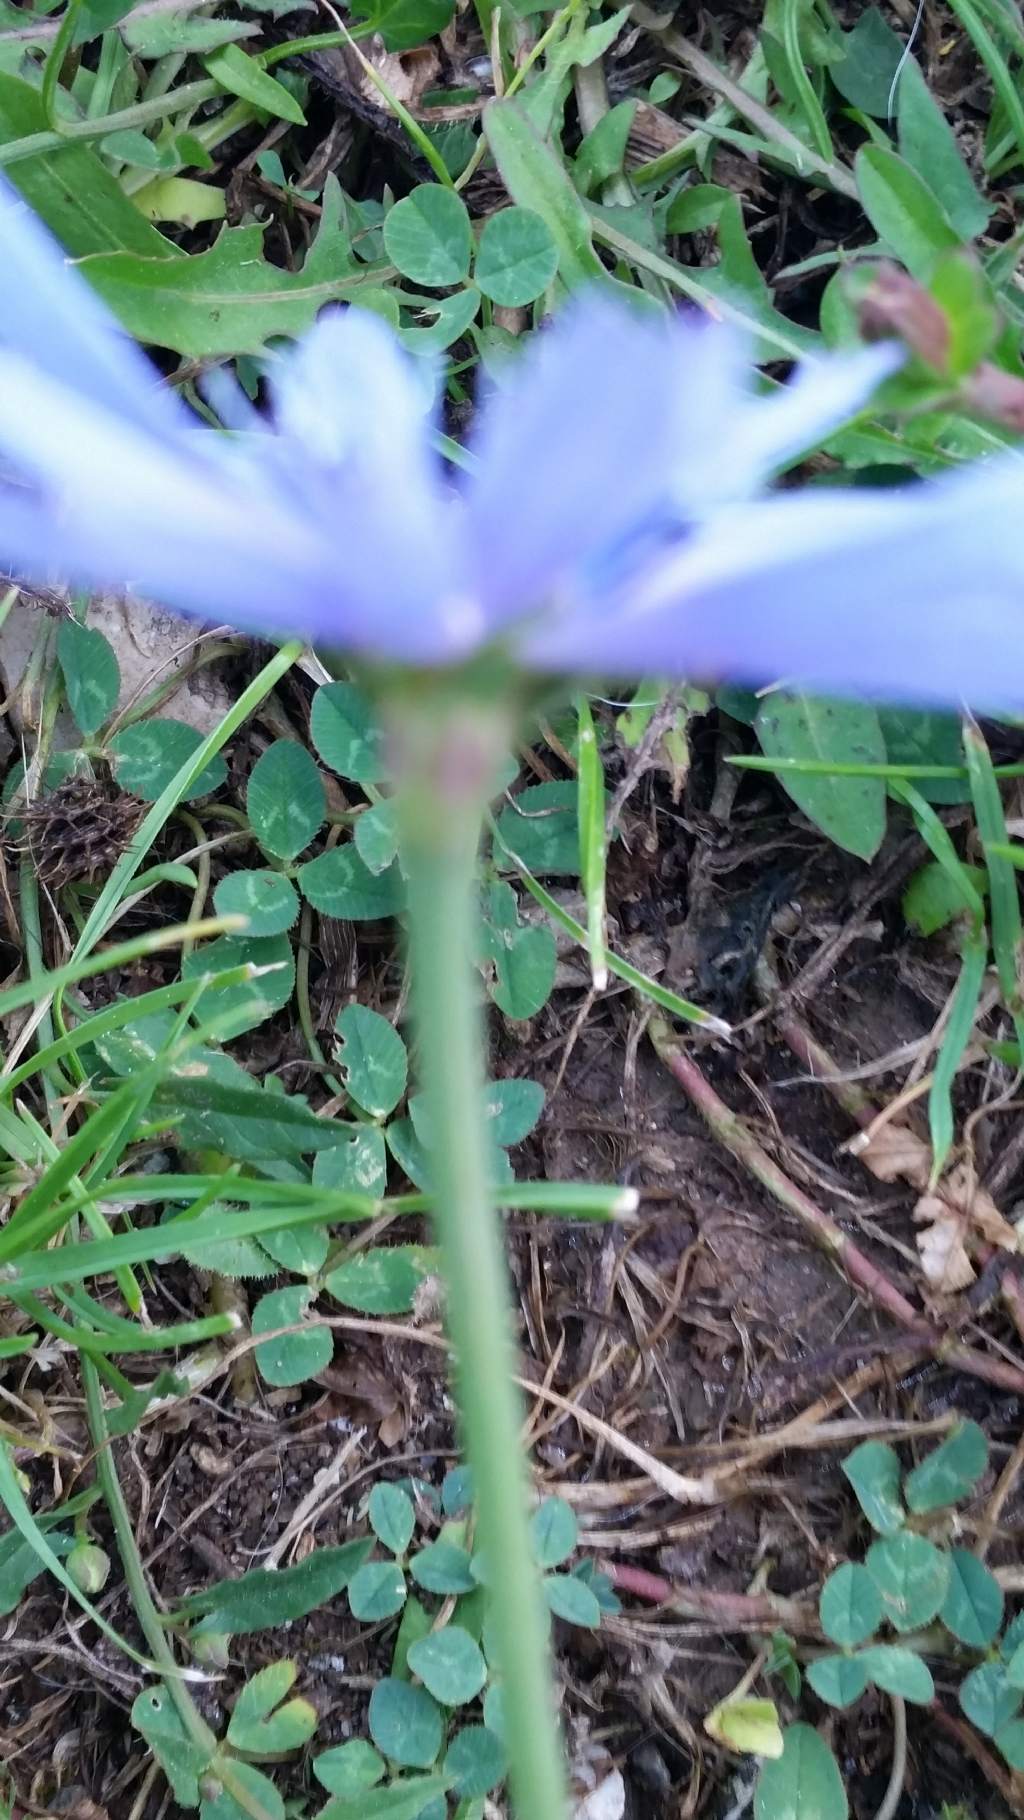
447	751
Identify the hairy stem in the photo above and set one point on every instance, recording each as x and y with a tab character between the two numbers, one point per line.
446	754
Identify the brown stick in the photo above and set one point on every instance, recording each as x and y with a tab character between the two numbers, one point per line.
968	1740
733	1134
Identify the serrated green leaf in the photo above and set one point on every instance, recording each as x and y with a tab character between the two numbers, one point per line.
372	1059
541	827
149	754
376	836
392	1516
517	257
285	799
950	1472
874	1472
443	1568
523	955
450	1665
804	1783
377	1591
267	898
405	1723
536	180
988	1698
229	299
476	1761
349	1769
241	1008
301	1249
851	1605
407	1798
383	1279
572	1600
92	676
346	733
973	1606
898	1671
339	885
292	1357
839	1680
512	1108
553	1532
428	236
850	810
356	1166
912	1576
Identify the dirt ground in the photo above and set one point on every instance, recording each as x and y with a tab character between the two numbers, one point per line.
690	1334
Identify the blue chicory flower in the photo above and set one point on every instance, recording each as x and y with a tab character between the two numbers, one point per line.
614	520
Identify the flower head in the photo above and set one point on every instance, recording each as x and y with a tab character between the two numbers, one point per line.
613	518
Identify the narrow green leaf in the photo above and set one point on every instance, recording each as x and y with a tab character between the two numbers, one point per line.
593	847
71	188
241	75
930	146
259	1600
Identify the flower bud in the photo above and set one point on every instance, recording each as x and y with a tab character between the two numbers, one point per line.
211	1647
89	1567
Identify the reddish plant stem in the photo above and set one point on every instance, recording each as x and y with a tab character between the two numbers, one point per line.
732	1611
734	1136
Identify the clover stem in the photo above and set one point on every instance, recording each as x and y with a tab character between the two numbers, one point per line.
448	749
